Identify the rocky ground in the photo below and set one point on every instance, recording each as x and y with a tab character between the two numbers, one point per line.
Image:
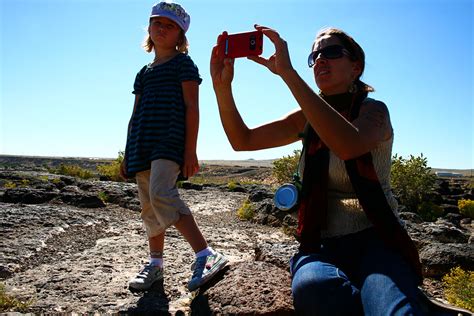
69	245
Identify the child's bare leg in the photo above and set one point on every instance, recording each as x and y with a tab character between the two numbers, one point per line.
188	227
156	245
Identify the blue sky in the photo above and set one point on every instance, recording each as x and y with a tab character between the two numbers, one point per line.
67	71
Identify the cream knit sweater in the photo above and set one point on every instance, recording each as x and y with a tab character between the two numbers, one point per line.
345	214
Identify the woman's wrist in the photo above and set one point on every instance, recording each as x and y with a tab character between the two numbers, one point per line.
288	74
222	86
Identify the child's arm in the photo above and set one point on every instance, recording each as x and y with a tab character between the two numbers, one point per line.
191	102
123	165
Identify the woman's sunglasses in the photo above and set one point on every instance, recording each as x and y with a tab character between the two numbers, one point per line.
328	52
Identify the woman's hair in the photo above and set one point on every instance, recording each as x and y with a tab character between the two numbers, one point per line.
357	53
182	45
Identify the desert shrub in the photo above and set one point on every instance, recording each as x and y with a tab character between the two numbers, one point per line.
43	178
112	170
231	185
9	185
246	211
74	171
466	208
429	211
284	168
9	303
459	288
103	196
412	181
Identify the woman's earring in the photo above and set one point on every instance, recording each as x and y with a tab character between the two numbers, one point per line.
353	87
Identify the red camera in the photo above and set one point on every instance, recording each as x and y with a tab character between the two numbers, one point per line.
243	44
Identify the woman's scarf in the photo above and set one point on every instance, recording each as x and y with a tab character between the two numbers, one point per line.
313	208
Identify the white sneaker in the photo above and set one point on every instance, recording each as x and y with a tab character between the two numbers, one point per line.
145	278
205	268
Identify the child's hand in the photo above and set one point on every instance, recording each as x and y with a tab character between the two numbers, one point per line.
123	170
191	165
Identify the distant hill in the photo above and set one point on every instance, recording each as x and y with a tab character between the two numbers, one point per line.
464	172
31	162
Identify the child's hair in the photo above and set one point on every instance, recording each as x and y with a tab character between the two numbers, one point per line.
182	45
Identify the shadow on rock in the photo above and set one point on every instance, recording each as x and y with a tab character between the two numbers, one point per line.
153	302
200	304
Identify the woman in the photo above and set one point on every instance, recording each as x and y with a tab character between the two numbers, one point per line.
354	255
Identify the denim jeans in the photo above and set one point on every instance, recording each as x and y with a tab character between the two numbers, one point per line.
354	275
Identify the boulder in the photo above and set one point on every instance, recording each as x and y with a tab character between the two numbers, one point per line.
247	288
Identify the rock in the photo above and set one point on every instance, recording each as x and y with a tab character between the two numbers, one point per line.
438	258
412	217
186	185
247	288
28	196
450	208
82	200
278	254
444	232
454	219
259	194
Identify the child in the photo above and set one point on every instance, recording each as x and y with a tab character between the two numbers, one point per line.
161	144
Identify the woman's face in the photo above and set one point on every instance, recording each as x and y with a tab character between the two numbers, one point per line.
333	75
164	32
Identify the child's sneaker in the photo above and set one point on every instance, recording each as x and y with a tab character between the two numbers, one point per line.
145	278
205	268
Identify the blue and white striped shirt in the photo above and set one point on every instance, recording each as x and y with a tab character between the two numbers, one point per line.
158	125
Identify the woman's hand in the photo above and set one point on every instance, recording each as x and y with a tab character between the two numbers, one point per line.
222	69
279	63
191	165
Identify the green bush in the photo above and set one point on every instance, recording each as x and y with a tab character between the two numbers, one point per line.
429	211
284	168
112	170
246	211
9	303
412	181
459	288
103	196
466	208
9	185
74	171
231	185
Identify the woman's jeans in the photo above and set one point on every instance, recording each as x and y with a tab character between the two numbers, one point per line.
353	275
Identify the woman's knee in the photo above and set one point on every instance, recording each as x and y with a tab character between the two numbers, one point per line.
320	288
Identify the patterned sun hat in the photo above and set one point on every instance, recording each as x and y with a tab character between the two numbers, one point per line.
172	11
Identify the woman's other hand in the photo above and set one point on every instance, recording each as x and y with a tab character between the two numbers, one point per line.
222	69
279	63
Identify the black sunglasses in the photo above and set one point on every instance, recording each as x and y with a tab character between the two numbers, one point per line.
328	52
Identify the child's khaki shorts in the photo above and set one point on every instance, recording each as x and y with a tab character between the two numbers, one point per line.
159	196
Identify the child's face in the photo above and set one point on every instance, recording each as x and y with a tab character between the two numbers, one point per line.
164	32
